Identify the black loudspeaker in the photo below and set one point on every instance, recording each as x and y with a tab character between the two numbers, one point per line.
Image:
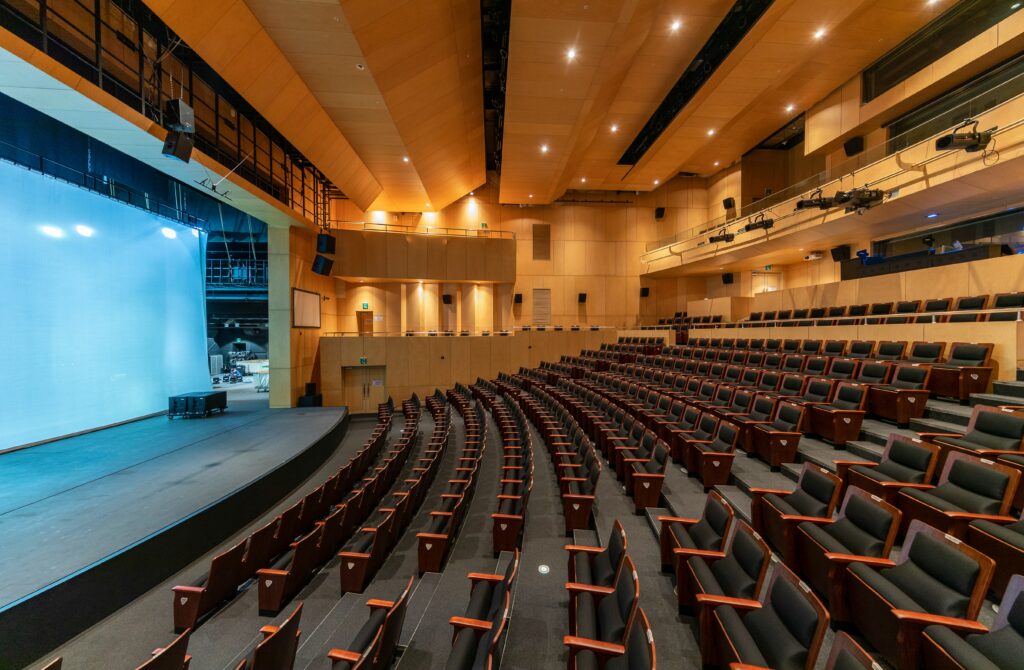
179	116
311	388
853	146
518	298
322	265
582	298
645	291
178	145
729	203
727	278
446	298
325	244
841	253
659	213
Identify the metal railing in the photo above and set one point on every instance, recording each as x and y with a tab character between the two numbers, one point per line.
906	319
238	273
875	153
468	333
372	227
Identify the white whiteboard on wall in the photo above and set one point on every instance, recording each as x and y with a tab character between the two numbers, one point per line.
305	309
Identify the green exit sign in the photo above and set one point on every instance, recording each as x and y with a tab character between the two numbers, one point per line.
767	268
362	360
366	305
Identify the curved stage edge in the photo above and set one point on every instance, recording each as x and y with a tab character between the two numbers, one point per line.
39	622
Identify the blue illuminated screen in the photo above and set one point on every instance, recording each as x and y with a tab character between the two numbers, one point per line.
102	310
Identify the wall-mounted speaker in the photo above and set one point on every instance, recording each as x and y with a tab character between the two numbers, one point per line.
446	298
659	213
853	146
517	298
325	244
729	203
645	291
727	278
841	253
322	265
178	145
582	298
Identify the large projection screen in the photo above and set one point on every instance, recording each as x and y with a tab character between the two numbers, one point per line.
103	310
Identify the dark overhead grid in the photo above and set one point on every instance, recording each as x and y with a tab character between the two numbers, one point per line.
495	18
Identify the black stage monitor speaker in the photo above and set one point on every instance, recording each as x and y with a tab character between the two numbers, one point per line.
659	213
178	145
853	146
518	298
645	291
729	203
582	298
179	116
326	244
727	278
446	298
322	265
841	253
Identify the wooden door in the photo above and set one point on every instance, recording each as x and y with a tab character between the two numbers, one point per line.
364	322
365	387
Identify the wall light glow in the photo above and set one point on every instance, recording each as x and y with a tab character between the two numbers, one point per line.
168	233
51	231
84	231
378	216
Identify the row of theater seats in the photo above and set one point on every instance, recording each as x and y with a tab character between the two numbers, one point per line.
509	522
446	518
905	311
907	608
964	369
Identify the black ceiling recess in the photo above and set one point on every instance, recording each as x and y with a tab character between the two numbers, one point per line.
730	32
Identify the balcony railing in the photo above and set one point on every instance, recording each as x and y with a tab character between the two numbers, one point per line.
221	272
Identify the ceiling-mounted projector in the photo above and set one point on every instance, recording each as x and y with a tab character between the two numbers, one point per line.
814	256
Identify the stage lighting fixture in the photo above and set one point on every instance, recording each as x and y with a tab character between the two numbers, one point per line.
722	237
814	203
968	141
760	223
859	199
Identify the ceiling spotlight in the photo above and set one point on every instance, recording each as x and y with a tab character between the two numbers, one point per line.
711	132
716	163
428	204
531	195
51	231
543	148
84	231
676	25
405	159
968	141
168	233
571	54
933	215
819	33
722	237
471	193
657	181
583	180
790	109
615	128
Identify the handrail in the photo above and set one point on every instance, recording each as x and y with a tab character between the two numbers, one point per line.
373	227
911	316
468	333
849	167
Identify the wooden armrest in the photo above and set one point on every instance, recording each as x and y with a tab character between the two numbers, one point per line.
853	558
376	603
596	646
268	630
995	518
867	464
965	625
703	553
801	518
927	436
906	485
475	624
339	655
483	577
275	573
432	536
678	519
743	603
580	549
576	587
188	589
778	492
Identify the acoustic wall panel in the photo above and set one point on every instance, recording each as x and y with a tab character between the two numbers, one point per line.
102	306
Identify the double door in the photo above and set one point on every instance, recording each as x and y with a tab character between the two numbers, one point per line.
365	387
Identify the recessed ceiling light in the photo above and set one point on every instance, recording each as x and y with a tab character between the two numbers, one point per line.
360	67
571	54
790	108
657	181
716	163
51	231
531	195
819	33
615	128
428	204
405	159
543	148
711	132
84	231
471	193
933	215
583	180
676	25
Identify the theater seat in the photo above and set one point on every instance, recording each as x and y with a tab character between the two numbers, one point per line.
991	431
839	421
776	442
488	591
1003	543
906	462
963	647
865	527
475	643
645	476
603	614
278	647
784	630
711	461
172	657
966	370
1013	301
968	304
904	398
930	306
891	351
968	489
737	572
597	565
375	642
707	533
936	579
638	653
775	514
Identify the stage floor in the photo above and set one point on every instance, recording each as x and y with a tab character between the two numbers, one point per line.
68	504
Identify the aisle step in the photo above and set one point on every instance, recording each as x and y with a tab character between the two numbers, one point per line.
869	451
878	432
936	426
739	500
995	399
951	412
1008	388
752	473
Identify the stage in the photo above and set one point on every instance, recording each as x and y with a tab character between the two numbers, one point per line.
89	522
